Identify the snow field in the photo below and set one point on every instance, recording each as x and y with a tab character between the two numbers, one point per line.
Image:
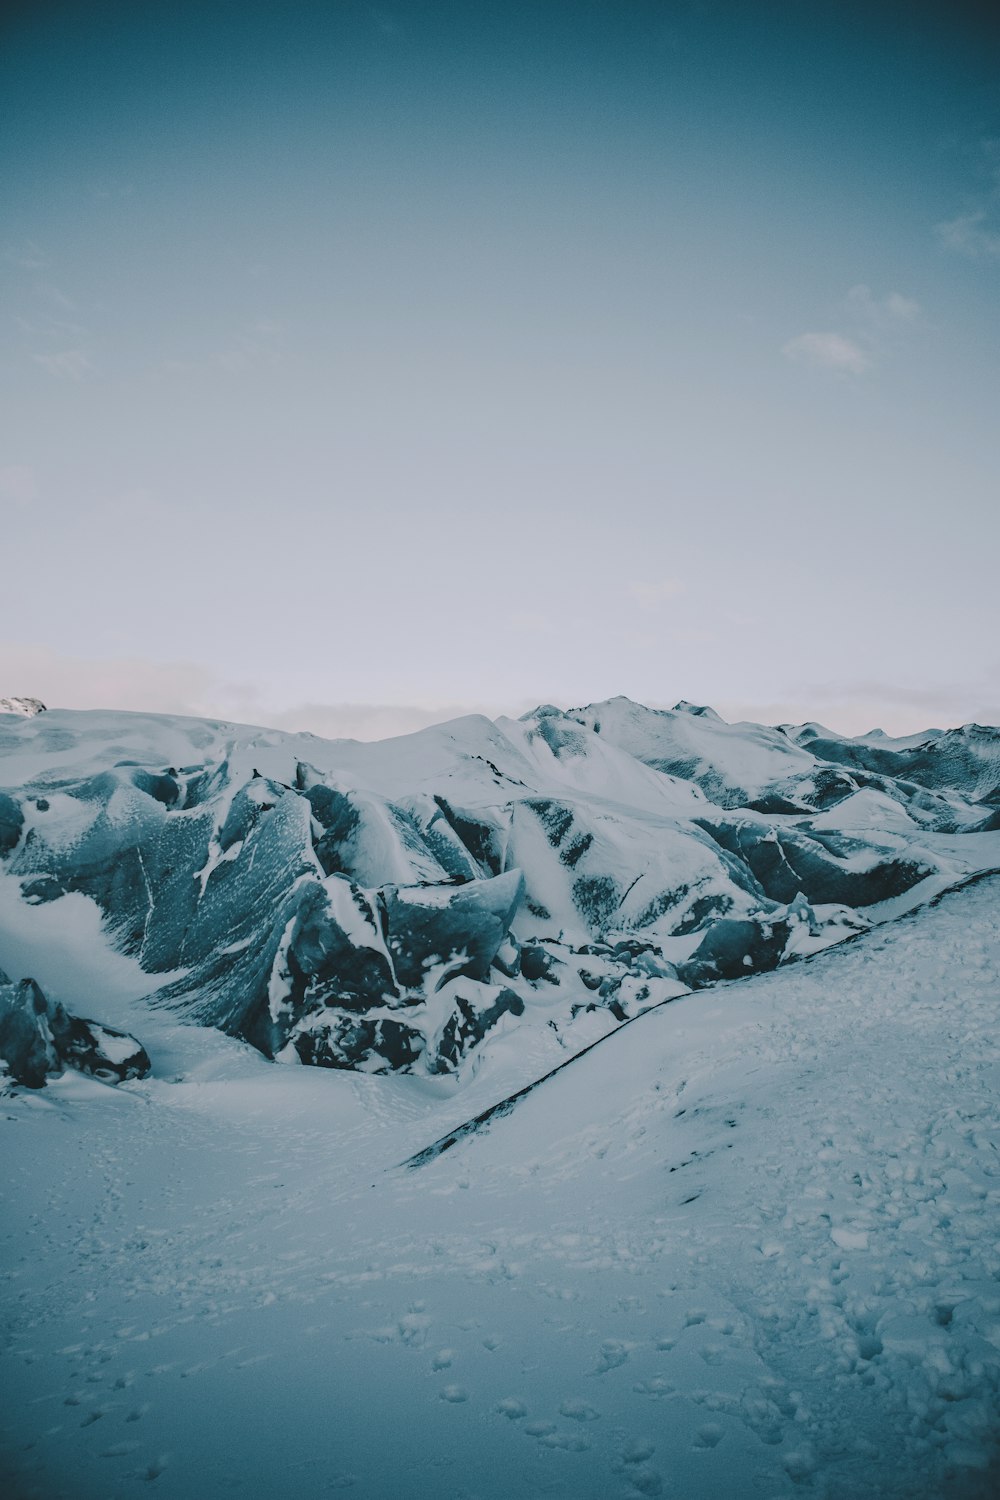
747	1246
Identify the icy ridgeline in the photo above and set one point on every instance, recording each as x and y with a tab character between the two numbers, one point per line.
383	906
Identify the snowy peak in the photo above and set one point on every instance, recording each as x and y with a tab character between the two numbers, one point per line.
25	707
731	763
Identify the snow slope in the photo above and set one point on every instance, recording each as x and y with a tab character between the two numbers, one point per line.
744	1247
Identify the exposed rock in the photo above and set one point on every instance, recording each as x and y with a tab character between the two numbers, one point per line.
469	1023
370	1044
11	824
26	1042
824	866
733	949
457	929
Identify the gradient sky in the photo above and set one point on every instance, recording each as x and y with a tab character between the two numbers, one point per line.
433	355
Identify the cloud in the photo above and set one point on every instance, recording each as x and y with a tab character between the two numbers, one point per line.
19	484
976	233
651	596
891	311
875	325
830	351
68	364
970	234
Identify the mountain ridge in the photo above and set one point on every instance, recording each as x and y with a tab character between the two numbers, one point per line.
388	905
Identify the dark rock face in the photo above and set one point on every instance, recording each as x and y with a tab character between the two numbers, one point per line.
380	1045
732	949
11	823
386	1043
39	1037
461	928
785	861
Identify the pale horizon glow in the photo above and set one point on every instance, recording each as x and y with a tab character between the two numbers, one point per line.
181	688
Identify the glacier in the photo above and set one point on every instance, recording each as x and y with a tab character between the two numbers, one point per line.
388	906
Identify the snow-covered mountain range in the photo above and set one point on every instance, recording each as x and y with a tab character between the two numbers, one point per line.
385	906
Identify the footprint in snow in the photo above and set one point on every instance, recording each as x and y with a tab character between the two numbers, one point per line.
612	1353
118	1450
646	1480
454	1394
657	1386
512	1408
413	1329
578	1411
568	1442
154	1469
442	1359
708	1436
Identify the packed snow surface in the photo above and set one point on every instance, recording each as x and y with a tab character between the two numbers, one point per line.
745	1246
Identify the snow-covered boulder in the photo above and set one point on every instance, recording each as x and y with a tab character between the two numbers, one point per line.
39	1037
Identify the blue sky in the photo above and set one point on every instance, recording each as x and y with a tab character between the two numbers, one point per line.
430	356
